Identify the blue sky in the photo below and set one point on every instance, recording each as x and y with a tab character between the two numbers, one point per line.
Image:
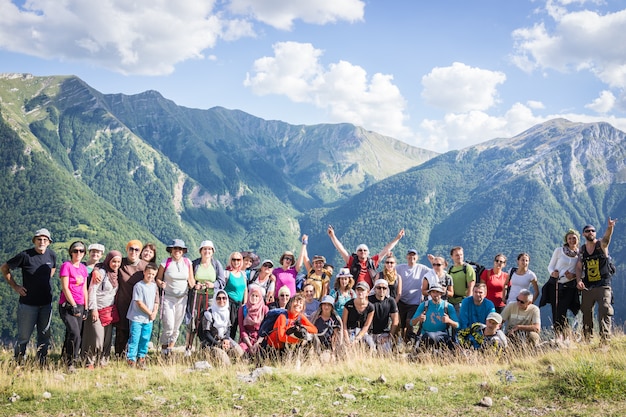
436	74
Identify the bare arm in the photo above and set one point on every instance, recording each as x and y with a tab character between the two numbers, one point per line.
366	326
342	251
6	271
399	289
606	239
159	278
298	264
391	244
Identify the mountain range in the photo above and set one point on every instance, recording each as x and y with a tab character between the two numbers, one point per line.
113	167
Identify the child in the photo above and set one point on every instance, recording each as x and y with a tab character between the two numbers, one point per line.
142	312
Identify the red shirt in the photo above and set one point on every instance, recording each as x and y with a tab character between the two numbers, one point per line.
364	274
278	338
495	286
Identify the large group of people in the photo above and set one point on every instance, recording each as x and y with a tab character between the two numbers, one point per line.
253	309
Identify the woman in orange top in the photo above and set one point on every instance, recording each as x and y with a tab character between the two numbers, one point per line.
286	332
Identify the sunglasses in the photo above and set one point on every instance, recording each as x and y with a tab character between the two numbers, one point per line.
380	288
499	262
520	301
589	230
131	249
284	295
78	251
437	264
390	263
236	259
267	265
220	298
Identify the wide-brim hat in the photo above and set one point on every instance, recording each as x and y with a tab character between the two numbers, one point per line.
42	232
207	244
329	299
176	243
437	288
344	272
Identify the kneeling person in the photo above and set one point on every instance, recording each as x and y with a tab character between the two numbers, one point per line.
386	317
434	316
522	318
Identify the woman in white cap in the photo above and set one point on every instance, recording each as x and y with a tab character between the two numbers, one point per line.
264	278
175	278
358	315
343	292
95	252
208	275
329	325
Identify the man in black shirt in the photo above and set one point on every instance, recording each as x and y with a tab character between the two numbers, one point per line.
386	317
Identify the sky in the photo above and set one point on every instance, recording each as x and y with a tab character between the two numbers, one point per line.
439	75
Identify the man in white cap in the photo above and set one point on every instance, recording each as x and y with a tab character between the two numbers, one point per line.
362	266
412	274
385	322
38	265
487	336
435	316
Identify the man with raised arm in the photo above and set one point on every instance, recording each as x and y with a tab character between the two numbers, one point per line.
362	266
593	278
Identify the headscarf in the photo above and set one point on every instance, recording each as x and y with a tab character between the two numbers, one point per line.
220	315
254	315
112	275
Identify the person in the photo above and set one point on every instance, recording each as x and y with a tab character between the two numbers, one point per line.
149	252
437	276
412	276
141	314
72	301
208	274
434	317
311	303
521	278
130	273
264	278
175	278
98	329
38	265
593	278
560	291
236	288
362	266
317	275
463	277
343	290
485	337
522	319
217	324
385	321
95	251
283	298
357	317
293	329
476	308
329	325
249	319
287	272
495	280
392	277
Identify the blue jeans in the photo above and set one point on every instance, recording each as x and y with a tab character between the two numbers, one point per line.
140	334
27	318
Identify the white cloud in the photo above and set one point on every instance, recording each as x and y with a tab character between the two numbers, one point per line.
281	14
533	104
461	88
342	88
580	41
140	37
604	103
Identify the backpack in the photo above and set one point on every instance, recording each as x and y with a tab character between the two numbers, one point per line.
168	261
446	306
267	325
478	268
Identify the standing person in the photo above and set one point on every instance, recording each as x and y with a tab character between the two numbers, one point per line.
317	275
175	278
250	316
141	314
438	276
265	279
593	277
495	279
412	276
463	278
287	272
98	328
521	278
95	252
394	280
130	273
149	252
208	275
38	265
236	288
523	320
72	302
362	266
562	293
343	291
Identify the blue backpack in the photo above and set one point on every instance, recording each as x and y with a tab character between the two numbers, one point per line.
267	325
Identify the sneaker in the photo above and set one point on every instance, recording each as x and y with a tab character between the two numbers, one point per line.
90	367
131	363
71	369
141	363
187	353
166	352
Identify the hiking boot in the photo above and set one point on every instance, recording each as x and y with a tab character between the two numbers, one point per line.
187	353
131	363
90	367
141	363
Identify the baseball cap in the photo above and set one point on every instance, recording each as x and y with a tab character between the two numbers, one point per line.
42	232
495	317
362	284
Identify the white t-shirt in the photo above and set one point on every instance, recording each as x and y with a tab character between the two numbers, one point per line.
519	283
175	276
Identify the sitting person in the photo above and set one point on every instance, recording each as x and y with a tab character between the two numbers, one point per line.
358	314
486	336
475	309
385	322
434	316
284	295
311	303
522	318
329	325
250	316
342	291
216	326
292	330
